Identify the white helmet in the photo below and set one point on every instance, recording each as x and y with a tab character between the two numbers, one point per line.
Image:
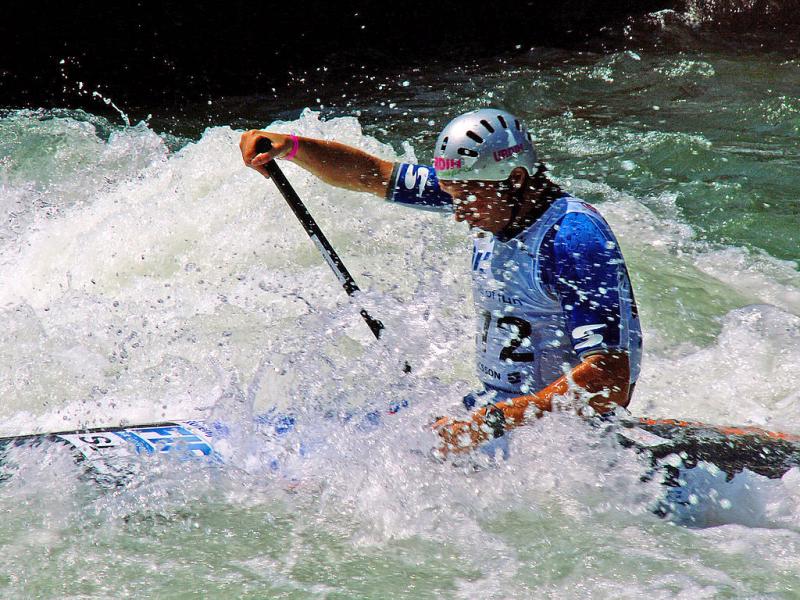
486	145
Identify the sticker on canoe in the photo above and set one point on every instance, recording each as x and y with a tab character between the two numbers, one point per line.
107	450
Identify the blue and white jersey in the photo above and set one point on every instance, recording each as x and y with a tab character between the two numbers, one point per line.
545	299
554	294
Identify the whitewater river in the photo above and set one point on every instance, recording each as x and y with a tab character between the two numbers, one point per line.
145	277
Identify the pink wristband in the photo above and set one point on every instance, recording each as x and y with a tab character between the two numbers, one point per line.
295	147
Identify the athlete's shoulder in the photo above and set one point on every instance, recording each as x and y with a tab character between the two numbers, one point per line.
566	218
576	206
578	221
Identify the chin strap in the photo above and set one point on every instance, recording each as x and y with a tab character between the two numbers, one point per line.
515	203
516	207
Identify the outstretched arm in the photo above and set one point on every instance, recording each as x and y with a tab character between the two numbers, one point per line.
334	163
604	377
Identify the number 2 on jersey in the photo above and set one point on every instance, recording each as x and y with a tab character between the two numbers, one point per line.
510	324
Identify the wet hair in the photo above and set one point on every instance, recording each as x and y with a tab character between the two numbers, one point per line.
550	191
538	181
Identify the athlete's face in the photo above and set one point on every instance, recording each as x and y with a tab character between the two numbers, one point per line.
482	204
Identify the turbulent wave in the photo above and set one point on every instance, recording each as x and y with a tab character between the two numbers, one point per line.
704	23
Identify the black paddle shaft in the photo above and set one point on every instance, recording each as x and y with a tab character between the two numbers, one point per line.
315	233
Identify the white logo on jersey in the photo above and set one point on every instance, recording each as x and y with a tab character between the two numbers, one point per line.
586	333
482	253
411	179
478	260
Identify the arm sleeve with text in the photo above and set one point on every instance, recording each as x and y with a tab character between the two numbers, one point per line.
418	186
586	271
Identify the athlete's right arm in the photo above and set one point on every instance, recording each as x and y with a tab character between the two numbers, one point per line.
350	168
334	163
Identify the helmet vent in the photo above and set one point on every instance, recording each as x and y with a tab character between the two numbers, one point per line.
467	152
516	122
530	137
444	144
489	128
474	137
502	121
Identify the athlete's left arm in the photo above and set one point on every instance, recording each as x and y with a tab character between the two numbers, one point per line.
603	377
587	274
